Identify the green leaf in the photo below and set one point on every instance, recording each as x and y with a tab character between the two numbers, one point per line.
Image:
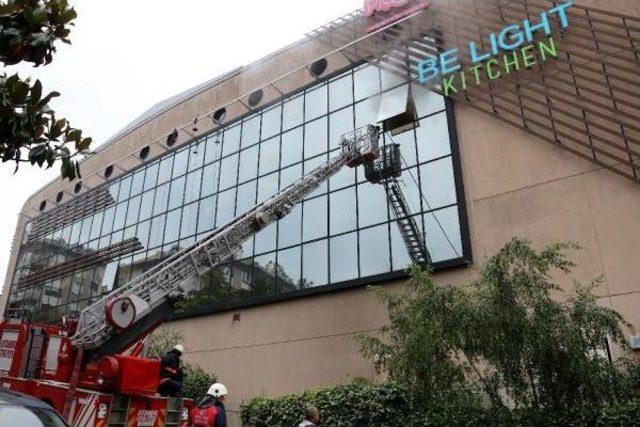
85	144
67	169
47	99
36	93
74	135
39	16
9	9
19	91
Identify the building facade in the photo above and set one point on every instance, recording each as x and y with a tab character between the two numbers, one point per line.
282	316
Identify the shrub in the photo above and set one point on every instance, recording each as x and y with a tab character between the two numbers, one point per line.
623	415
389	405
512	332
356	404
197	381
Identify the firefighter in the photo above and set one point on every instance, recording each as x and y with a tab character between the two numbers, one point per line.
171	376
210	411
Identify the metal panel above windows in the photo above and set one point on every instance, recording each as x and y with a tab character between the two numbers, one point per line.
71	211
81	261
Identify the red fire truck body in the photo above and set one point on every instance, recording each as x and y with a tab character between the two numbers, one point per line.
118	390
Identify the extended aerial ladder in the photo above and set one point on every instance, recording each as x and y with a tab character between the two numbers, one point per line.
116	321
385	170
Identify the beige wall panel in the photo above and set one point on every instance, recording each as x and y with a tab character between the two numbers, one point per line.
498	158
299	365
233	367
209	333
204	102
339	313
555	212
287	347
615	203
295	81
628	306
345	312
627	7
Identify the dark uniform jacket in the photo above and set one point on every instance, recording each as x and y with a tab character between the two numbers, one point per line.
170	366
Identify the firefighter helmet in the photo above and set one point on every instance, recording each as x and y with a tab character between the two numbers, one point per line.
217	390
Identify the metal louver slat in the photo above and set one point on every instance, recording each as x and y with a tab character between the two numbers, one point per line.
587	101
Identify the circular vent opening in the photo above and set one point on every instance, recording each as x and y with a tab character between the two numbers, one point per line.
172	138
318	67
59	197
78	187
144	153
43	205
255	98
108	171
219	116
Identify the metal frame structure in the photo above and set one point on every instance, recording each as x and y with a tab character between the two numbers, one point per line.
78	208
586	101
463	256
83	261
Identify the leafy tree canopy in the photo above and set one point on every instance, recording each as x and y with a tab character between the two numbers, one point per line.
29	129
512	334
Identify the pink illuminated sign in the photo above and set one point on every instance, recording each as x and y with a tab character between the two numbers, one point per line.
373	6
404	9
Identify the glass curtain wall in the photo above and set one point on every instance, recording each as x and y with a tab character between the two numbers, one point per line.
343	233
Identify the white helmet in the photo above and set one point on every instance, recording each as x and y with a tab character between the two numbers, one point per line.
217	390
179	348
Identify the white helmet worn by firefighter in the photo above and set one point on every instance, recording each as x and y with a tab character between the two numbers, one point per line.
217	390
179	348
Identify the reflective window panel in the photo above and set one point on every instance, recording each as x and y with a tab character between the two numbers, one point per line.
344	232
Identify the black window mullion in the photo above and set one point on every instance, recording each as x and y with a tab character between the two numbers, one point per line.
217	193
184	190
166	213
279	136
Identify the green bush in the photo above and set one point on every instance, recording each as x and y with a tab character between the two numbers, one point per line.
623	415
471	416
356	404
197	381
389	405
513	333
616	416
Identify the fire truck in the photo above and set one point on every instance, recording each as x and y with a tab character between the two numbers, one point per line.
90	368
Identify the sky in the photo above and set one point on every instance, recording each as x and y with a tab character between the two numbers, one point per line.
128	55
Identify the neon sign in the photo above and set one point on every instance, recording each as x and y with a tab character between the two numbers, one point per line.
404	8
507	52
373	6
